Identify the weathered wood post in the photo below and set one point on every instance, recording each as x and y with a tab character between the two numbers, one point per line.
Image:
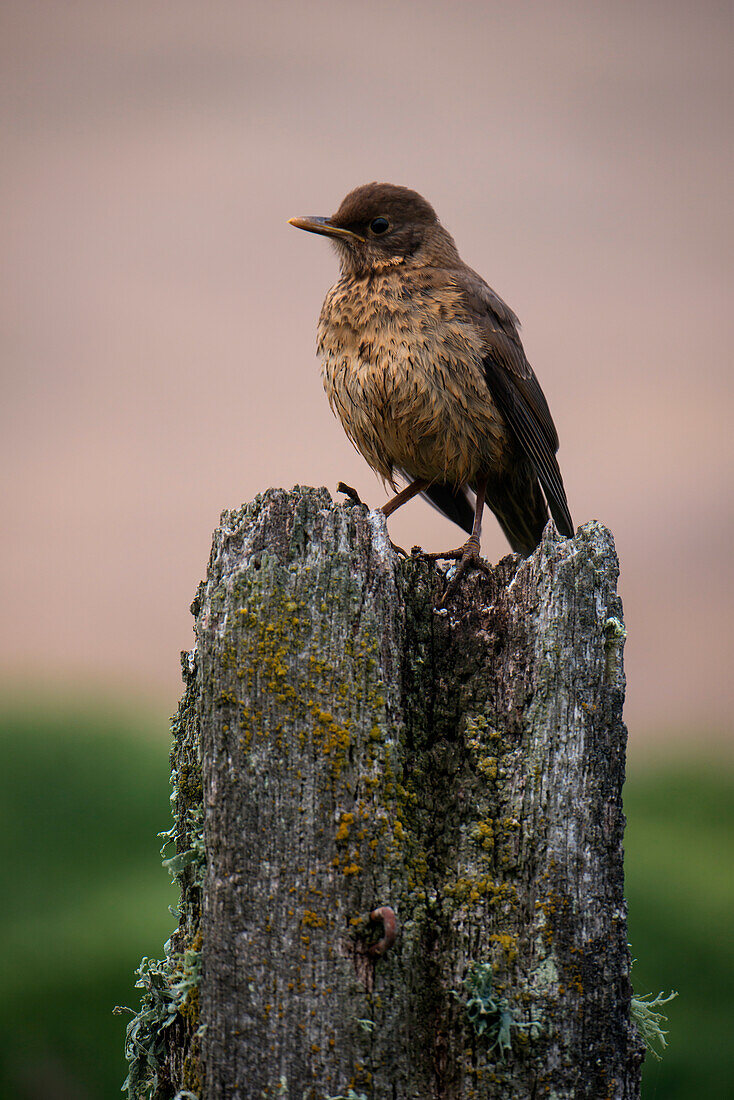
412	824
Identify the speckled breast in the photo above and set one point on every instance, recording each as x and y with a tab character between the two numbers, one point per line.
403	372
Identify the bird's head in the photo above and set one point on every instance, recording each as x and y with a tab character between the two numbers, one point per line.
380	224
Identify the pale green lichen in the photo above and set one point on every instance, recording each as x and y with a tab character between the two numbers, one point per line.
192	856
649	1022
544	976
615	628
488	1014
169	986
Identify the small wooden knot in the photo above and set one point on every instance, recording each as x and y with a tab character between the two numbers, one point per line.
390	925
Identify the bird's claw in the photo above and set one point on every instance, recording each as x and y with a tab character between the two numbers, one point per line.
355	498
349	492
470	559
399	549
467	557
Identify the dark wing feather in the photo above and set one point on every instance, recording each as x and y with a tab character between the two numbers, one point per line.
517	393
533	440
454	503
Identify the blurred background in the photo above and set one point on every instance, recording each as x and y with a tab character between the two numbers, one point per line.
158	365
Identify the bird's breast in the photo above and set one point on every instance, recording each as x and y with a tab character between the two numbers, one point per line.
402	369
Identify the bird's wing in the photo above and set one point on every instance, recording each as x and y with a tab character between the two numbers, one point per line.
457	504
516	391
453	503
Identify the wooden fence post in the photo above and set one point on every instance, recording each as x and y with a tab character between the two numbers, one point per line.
409	880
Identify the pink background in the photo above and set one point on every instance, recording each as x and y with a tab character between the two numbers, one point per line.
158	314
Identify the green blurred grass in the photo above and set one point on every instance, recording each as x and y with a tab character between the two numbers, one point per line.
679	871
82	796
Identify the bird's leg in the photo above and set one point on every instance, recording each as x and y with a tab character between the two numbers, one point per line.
403	497
471	546
394	503
407	494
468	554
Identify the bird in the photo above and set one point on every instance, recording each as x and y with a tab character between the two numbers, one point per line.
423	365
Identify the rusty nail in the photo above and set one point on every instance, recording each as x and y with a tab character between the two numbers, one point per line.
390	924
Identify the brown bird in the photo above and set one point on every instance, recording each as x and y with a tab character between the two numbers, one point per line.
423	365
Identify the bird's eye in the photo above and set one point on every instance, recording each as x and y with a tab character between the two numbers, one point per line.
379	225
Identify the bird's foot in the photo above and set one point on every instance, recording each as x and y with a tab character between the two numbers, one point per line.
467	557
356	499
349	492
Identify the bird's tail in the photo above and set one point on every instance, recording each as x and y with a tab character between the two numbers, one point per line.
521	511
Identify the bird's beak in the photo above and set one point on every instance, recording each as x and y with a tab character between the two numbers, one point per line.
325	226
